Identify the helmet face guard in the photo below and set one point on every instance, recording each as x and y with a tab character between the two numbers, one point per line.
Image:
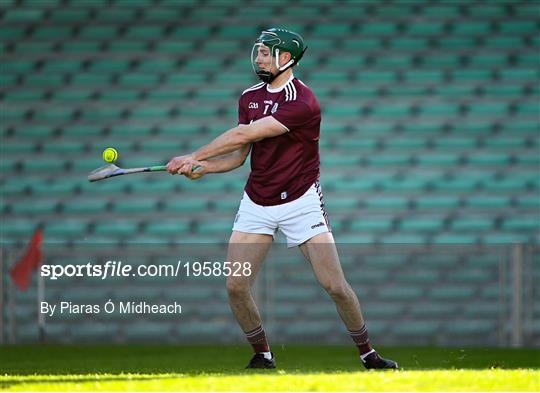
266	51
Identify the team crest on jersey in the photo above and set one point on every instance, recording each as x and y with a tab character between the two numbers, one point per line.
253	105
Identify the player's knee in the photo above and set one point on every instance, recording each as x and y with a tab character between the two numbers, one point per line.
338	291
237	288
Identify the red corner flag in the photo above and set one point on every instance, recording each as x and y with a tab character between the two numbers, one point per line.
22	270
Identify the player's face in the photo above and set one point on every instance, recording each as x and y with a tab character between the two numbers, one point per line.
263	59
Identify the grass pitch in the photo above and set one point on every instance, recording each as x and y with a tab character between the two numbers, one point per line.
313	368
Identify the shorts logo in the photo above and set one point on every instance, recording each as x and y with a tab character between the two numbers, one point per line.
320	224
284	195
237	218
253	105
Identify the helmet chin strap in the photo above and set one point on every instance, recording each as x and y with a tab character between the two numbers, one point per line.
268	77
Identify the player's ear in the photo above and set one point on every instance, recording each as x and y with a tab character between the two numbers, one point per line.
284	58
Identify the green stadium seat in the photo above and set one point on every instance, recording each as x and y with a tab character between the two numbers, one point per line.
350	61
506	238
501	42
190	32
422	224
85	206
18	66
42	188
440	60
470	328
518	74
35	132
377	77
452	292
18	228
415	44
90	79
372	224
471	75
525	201
400	293
353	143
70	15
455	43
426	28
186	205
41	206
201	64
110	65
12	33
528	108
511	184
409	184
424	76
418	329
382	28
521	224
134	206
61	66
117	228
341	111
82	130
174	46
436	202
487	60
98	32
102	114
488	158
66	228
437	159
455	143
471	28
363	44
519	27
64	149
161	14
148	113
420	276
473	275
44	80
503	91
487	202
472	224
405	143
72	95
122	95
141	32
330	77
389	159
127	46
76	47
435	108
486	10
139	79
448	10
386	202
169	228
52	33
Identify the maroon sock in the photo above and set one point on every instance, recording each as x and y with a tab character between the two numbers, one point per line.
257	339
361	339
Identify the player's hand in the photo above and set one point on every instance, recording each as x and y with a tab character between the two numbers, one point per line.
193	169
176	163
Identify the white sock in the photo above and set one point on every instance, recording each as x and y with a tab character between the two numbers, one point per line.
366	355
267	355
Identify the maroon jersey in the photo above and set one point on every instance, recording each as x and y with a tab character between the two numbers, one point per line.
285	166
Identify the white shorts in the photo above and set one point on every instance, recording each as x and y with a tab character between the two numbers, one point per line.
298	220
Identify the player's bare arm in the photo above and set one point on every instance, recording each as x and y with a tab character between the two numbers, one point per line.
230	141
219	164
